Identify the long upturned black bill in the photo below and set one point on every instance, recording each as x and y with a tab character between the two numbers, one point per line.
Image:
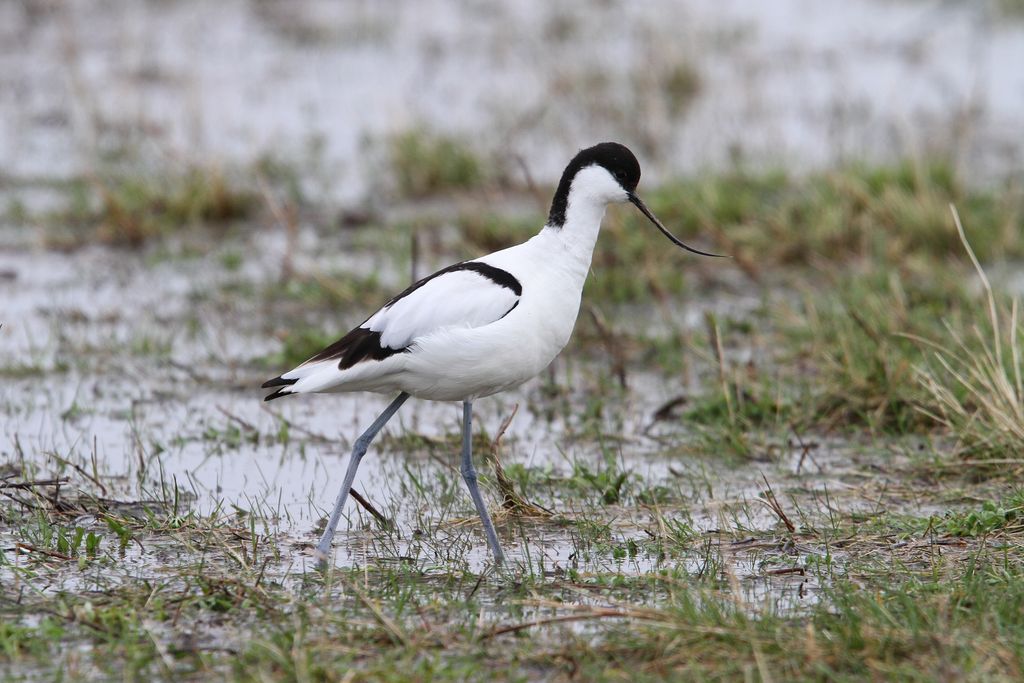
654	219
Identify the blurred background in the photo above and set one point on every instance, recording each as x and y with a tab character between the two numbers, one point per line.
196	196
323	86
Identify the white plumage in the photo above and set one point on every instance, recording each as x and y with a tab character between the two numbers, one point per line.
482	326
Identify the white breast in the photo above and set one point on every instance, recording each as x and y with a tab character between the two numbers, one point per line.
485	360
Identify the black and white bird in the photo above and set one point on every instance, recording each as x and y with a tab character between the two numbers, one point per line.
478	327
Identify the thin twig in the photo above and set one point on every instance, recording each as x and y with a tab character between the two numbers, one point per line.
510	499
787	570
42	551
368	506
597	613
805	449
292	426
234	418
612	345
285	219
33	484
773	503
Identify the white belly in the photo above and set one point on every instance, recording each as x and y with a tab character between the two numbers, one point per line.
468	363
456	363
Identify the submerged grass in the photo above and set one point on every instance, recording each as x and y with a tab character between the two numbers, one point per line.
860	563
864	601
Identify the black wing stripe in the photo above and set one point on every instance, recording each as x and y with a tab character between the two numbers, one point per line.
277	394
279	382
496	275
358	345
362	344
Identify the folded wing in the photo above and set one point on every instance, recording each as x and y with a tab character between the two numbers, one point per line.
468	294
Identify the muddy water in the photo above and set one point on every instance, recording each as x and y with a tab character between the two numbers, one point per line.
799	82
112	357
123	362
140	371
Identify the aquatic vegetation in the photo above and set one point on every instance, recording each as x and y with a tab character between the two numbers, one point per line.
772	481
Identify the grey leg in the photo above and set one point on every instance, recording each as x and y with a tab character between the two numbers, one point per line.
469	474
358	451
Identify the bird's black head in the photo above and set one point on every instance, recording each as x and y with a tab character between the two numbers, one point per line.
624	170
615	158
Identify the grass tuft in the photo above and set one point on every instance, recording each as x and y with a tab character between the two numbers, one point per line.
975	382
426	163
130	211
885	213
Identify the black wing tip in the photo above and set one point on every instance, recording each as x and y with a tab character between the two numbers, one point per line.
278	382
277	394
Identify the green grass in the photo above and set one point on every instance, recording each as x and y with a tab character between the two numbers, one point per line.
889	213
889	612
425	163
131	209
852	337
651	552
897	216
1013	9
972	375
891	349
647	594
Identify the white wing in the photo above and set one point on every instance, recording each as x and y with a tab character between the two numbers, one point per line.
469	294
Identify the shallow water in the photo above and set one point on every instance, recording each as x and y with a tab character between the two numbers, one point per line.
140	367
793	82
144	366
118	377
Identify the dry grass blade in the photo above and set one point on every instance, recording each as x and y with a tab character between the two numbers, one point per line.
511	501
369	507
992	311
773	504
711	322
43	551
396	632
32	484
970	386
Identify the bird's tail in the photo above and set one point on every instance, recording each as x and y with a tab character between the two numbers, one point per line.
310	377
283	384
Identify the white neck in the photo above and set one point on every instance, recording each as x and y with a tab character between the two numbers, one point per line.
588	197
581	228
